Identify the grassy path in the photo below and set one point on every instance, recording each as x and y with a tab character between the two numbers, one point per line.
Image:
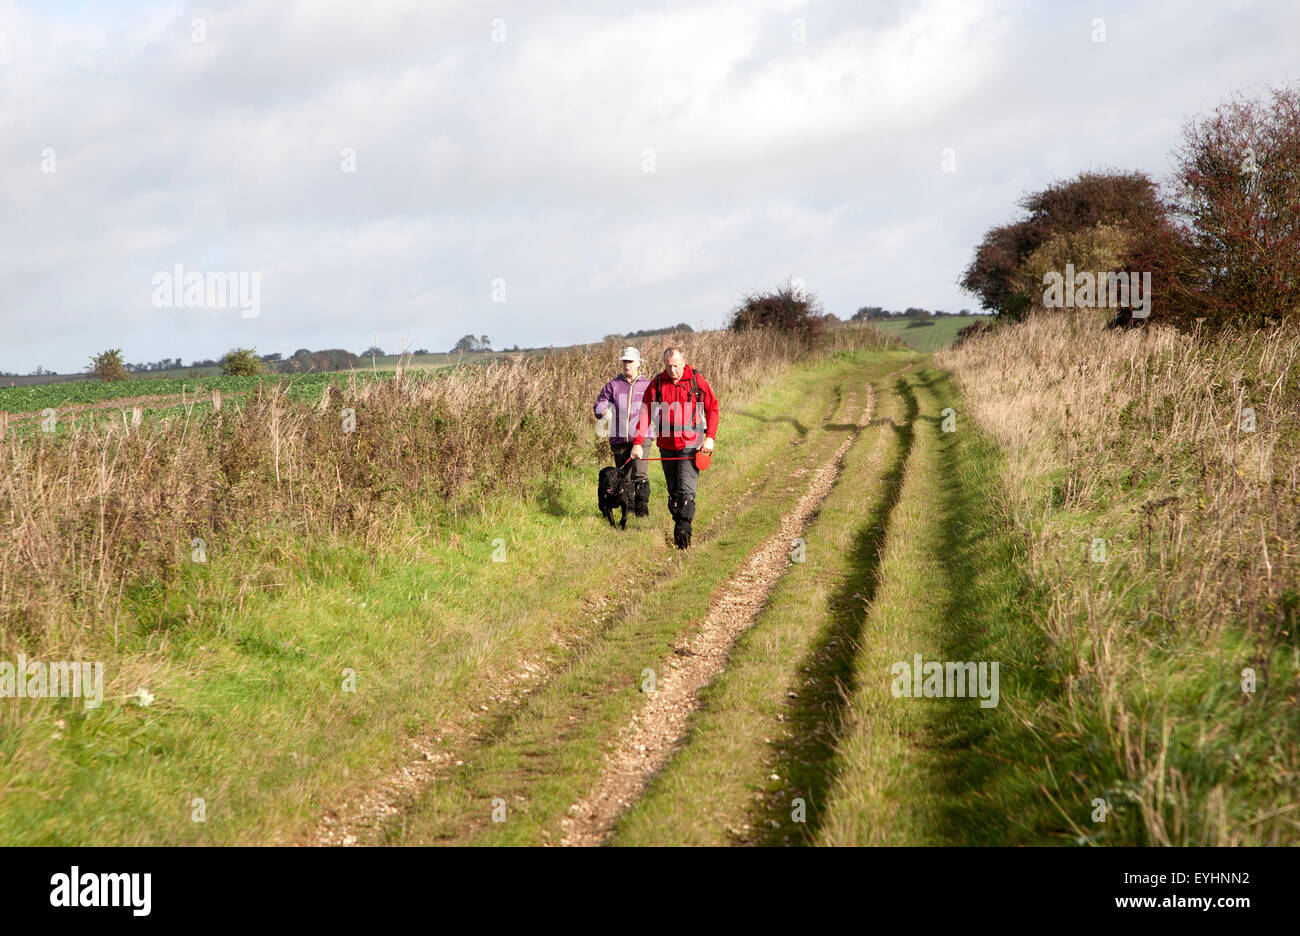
797	651
927	335
917	770
802	741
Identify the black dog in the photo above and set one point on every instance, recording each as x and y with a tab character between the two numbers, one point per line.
615	490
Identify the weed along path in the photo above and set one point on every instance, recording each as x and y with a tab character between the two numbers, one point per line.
516	778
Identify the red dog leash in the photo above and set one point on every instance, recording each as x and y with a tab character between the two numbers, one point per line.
701	459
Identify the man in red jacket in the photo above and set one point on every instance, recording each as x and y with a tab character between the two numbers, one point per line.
683	411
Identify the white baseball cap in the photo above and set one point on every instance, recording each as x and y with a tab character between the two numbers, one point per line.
631	354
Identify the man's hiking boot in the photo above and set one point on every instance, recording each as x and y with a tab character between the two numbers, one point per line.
683	511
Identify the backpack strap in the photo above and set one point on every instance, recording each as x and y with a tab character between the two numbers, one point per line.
697	395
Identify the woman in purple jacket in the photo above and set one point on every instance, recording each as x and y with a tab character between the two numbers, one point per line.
622	398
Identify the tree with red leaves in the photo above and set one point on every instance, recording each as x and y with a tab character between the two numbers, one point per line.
1237	186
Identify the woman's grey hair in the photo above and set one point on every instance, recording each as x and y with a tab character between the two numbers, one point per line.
668	352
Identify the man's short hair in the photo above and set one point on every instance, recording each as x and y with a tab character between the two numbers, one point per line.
669	352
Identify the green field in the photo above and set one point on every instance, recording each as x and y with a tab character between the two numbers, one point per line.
202	380
936	336
35	398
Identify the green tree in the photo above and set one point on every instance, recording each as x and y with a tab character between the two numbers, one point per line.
241	362
109	365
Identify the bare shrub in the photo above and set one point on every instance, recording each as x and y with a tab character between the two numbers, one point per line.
787	310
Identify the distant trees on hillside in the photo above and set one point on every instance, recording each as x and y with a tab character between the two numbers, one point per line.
648	332
301	361
876	313
162	365
470	343
330	359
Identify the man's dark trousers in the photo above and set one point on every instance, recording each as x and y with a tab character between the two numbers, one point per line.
681	477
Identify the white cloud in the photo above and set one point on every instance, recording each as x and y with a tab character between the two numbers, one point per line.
523	159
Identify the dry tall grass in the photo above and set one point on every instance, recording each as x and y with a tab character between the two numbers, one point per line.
1145	439
86	515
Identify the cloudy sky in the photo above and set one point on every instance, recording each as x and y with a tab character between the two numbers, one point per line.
600	167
